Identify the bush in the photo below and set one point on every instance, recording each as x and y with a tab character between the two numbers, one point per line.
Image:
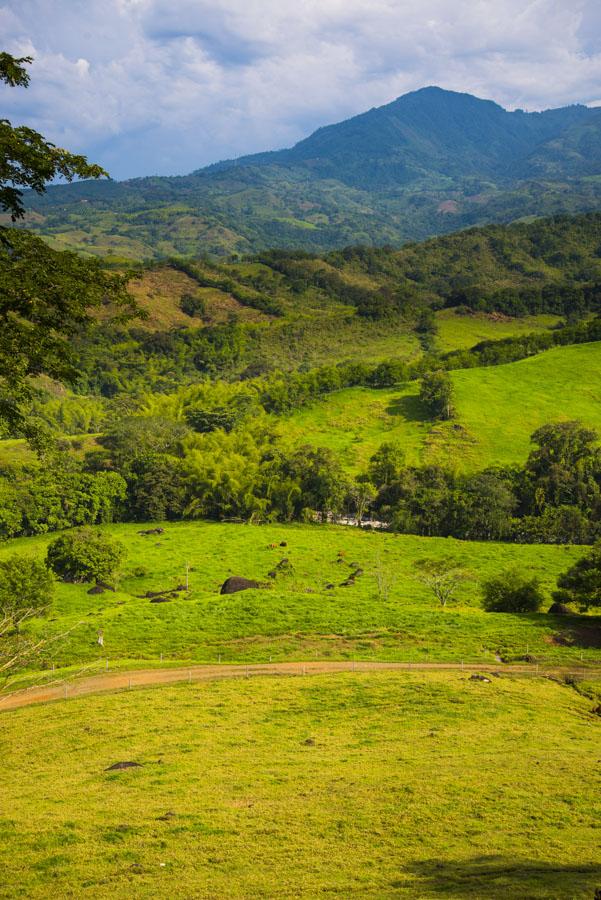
24	584
193	305
85	555
512	592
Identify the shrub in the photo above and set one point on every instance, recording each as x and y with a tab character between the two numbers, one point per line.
24	584
193	305
512	592
85	555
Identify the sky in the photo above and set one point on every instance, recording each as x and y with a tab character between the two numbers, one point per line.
164	87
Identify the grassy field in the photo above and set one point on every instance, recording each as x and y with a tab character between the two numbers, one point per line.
497	409
500	406
355	785
457	332
386	614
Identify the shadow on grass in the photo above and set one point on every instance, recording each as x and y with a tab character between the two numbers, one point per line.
570	631
500	877
410	408
577	631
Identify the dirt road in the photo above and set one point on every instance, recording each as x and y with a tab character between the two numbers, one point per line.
115	681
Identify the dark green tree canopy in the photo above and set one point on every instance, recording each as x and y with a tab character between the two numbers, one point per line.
512	592
582	583
45	296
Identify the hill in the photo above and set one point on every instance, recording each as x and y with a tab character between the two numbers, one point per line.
284	310
497	409
430	162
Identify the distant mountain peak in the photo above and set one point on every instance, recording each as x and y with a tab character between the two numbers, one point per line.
428	162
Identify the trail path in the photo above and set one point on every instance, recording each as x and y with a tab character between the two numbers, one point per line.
115	681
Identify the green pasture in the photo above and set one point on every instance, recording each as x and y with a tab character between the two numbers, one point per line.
460	332
497	409
356	785
500	406
386	614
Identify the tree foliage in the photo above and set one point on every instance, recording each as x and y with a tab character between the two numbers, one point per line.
46	296
25	584
512	592
85	555
581	584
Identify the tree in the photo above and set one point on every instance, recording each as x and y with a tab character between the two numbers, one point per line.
25	584
582	583
45	295
386	464
442	576
482	505
563	469
512	592
361	495
85	555
436	394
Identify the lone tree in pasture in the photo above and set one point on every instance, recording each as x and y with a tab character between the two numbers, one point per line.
46	296
442	577
512	592
25	584
85	555
581	584
436	393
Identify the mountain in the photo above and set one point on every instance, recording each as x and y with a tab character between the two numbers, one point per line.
428	163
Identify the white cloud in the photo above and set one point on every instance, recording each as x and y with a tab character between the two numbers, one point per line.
165	86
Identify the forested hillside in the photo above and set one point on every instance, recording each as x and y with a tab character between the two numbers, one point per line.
288	386
431	162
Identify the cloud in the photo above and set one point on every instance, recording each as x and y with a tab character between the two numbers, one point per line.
166	86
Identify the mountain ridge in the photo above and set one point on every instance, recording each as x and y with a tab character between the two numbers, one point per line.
427	163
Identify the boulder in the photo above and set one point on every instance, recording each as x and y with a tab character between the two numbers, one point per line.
236	583
477	677
123	765
559	609
97	589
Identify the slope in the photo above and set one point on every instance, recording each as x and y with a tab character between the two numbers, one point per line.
497	409
427	163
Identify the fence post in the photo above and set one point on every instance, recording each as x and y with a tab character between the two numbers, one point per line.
65	692
189	676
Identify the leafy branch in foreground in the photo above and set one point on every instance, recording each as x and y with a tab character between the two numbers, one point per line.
27	160
46	296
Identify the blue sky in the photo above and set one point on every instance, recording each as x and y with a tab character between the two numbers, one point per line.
166	86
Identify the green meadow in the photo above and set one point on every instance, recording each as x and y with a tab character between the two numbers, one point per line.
304	612
355	785
460	332
497	409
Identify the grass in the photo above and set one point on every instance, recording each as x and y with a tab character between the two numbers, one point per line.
387	614
501	406
457	332
355	421
356	785
497	409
